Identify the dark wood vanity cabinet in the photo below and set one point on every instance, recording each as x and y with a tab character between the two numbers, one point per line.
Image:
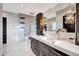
44	49
55	52
35	46
41	49
43	53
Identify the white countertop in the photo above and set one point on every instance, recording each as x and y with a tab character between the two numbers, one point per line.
62	45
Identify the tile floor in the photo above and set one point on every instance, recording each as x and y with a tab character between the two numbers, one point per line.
18	49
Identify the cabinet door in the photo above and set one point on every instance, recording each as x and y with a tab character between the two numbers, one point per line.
35	47
43	53
36	51
44	49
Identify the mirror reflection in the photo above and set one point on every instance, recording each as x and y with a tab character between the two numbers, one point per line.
61	21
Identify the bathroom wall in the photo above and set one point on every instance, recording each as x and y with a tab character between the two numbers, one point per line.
12	23
13	26
0	29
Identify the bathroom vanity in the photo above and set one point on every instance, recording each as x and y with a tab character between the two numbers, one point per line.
43	46
66	43
41	49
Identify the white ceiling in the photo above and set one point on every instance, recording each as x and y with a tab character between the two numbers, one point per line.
27	8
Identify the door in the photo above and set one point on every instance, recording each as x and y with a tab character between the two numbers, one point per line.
4	30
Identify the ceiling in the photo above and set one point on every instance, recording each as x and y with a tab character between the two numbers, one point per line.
28	8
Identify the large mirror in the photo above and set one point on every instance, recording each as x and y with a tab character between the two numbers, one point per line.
58	18
61	20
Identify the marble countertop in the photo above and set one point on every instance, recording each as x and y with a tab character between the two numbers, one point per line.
62	45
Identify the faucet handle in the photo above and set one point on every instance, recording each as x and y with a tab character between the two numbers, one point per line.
71	38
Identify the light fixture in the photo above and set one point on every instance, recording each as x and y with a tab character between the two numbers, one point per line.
70	18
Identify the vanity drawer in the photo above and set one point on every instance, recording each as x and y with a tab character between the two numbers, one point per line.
43	53
55	52
44	47
36	51
41	49
35	47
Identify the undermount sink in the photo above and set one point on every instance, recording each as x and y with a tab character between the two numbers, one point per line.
54	41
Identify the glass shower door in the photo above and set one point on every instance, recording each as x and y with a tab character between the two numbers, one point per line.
21	30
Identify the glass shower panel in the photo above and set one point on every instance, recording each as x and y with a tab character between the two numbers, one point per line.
21	30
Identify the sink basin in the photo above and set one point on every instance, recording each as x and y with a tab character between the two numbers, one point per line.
54	41
43	37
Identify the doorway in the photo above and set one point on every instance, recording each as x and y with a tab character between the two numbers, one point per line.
4	30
